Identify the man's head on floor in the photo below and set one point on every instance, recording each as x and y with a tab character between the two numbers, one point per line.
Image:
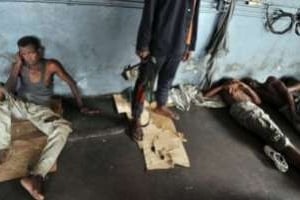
30	49
251	82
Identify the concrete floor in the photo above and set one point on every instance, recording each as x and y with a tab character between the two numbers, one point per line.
227	162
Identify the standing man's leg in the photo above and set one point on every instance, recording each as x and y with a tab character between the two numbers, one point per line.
165	80
147	74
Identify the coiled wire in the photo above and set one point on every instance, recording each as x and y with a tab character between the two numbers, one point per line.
278	15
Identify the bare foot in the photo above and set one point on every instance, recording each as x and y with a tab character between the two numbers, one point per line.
165	111
4	155
33	184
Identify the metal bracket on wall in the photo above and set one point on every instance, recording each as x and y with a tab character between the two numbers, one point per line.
278	15
254	2
115	3
222	5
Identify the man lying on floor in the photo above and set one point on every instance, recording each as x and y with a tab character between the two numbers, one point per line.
275	93
31	102
243	102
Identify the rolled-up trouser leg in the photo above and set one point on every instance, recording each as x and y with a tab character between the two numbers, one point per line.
147	75
256	120
165	79
56	128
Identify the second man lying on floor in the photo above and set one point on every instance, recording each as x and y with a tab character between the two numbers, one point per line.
277	94
243	103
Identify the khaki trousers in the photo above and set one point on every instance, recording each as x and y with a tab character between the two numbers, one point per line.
51	124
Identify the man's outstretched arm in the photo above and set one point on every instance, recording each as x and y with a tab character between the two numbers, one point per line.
248	90
213	91
56	68
294	88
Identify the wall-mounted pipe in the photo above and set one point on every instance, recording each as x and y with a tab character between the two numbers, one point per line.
130	3
207	6
134	3
123	4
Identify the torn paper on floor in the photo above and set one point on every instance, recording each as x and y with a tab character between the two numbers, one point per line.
162	145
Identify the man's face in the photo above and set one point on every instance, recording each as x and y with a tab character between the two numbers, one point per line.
29	54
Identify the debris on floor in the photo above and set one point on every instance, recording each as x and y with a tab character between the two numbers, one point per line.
184	95
162	145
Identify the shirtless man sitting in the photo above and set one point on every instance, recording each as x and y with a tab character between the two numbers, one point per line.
36	75
243	102
31	102
275	93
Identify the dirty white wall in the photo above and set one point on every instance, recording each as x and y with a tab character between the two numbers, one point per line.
95	39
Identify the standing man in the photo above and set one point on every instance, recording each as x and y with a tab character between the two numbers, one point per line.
167	35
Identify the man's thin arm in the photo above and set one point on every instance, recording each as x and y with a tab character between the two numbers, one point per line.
255	98
294	88
145	29
12	80
63	75
213	91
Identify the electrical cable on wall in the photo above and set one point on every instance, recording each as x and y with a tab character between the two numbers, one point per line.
217	41
277	16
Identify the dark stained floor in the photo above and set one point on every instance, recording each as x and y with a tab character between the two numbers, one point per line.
100	162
